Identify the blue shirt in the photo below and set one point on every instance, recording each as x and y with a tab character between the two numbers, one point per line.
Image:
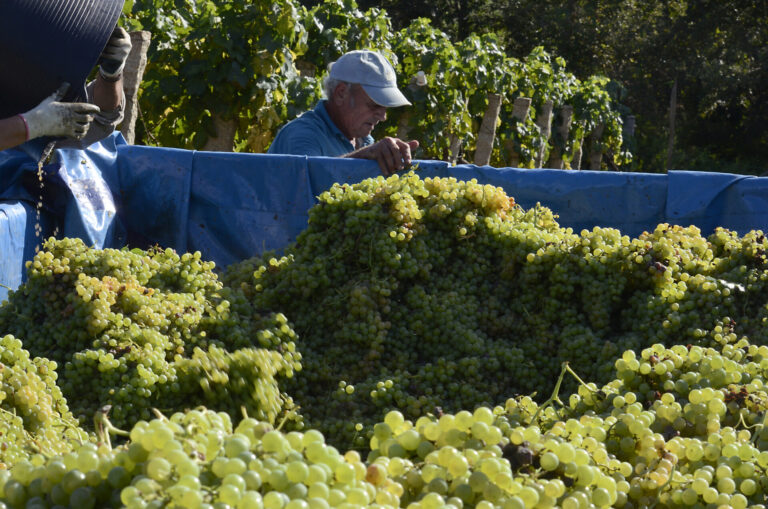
314	134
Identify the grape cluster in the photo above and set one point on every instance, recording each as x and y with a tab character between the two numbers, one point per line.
677	427
34	416
688	421
415	293
199	458
149	329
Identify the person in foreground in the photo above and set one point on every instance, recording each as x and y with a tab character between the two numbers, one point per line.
103	106
359	88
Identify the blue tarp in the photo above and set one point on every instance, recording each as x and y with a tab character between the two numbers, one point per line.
232	206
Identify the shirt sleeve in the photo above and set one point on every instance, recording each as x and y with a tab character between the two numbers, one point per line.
294	139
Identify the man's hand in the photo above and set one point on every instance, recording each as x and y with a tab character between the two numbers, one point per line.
392	154
54	118
112	59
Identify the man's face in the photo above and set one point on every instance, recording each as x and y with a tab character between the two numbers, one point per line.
358	113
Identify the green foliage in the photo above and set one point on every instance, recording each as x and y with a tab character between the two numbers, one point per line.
337	26
439	109
715	49
232	61
259	65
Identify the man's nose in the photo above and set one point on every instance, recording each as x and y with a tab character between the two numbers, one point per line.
381	113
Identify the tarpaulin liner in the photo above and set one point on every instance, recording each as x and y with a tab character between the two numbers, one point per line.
17	243
242	204
71	196
232	206
153	189
89	207
709	200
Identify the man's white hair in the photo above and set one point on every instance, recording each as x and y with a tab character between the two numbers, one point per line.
330	84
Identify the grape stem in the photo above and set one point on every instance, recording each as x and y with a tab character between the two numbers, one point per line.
26	433
291	413
759	426
661	488
104	427
159	414
555	397
68	424
578	378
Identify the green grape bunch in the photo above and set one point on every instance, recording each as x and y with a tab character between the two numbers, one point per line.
34	415
141	329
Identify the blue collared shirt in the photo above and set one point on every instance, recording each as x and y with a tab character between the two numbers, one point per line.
314	134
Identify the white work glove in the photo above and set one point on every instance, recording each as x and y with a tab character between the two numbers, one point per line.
112	59
54	118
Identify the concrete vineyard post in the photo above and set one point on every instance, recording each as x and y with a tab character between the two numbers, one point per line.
629	126
453	151
224	141
402	126
672	114
576	162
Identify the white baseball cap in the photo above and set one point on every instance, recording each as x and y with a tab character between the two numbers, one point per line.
374	73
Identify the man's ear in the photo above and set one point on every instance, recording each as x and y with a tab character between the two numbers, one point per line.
340	93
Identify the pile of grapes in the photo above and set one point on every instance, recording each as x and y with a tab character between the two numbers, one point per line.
436	295
423	342
136	330
677	427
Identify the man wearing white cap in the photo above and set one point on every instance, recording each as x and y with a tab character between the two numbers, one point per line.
359	88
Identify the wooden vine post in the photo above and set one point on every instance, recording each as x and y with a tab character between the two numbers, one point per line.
595	154
519	112
455	147
224	140
544	121
556	156
402	125
132	76
488	130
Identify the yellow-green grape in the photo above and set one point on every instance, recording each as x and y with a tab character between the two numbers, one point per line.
129	327
443	294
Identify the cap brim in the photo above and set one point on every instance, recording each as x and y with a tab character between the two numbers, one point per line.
389	97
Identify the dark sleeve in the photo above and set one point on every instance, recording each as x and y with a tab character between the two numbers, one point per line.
104	123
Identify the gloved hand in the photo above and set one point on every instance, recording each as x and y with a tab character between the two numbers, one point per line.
54	118
112	59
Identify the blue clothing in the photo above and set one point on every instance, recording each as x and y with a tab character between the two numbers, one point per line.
314	134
